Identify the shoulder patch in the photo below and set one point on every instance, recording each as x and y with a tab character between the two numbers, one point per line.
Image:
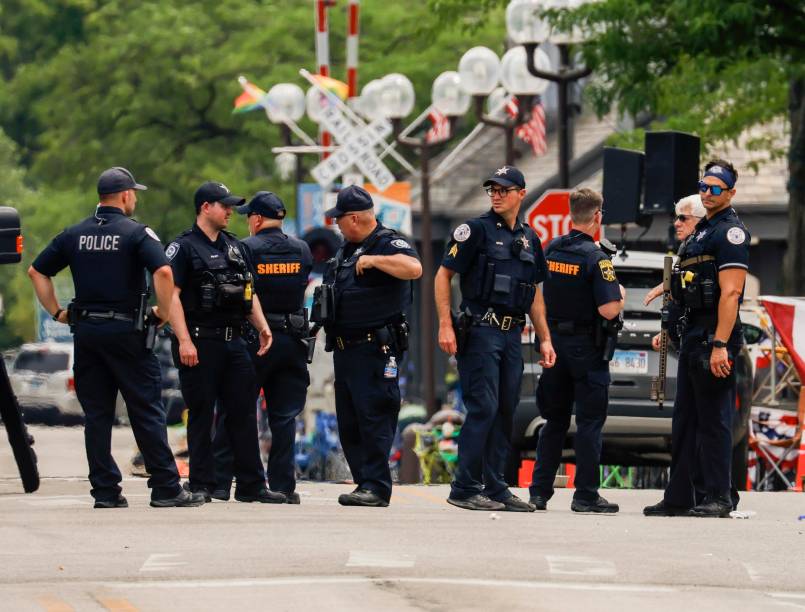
400	244
736	235
607	270
152	233
453	250
462	232
172	249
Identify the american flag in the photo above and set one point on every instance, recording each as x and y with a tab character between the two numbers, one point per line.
533	131
440	127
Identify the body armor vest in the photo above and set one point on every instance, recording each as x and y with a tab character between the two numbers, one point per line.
281	276
568	291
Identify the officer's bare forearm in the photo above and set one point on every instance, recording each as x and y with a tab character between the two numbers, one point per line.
399	266
538	318
441	294
163	288
45	292
256	316
178	322
731	282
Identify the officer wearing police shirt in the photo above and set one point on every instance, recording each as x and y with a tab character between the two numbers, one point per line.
282	264
370	278
108	254
500	261
708	283
581	291
212	299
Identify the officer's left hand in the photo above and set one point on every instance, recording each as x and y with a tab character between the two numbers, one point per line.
720	365
365	262
548	354
162	322
265	341
62	318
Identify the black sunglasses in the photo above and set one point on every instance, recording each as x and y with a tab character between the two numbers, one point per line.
684	218
714	189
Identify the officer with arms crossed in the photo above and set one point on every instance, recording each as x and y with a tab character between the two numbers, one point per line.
583	298
108	254
366	288
500	261
212	298
283	264
708	283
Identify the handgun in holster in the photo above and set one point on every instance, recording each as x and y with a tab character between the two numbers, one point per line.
609	329
151	329
72	315
310	340
323	310
401	332
462	322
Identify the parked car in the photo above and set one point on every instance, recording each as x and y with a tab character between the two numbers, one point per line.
637	430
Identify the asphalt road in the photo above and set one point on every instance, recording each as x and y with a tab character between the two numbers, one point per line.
58	554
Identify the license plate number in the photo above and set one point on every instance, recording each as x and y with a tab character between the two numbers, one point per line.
629	362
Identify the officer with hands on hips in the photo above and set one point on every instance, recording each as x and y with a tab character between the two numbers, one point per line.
708	283
213	297
282	264
583	297
108	254
361	301
501	265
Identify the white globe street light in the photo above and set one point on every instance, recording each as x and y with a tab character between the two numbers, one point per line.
479	69
285	102
315	102
370	102
523	23
448	96
396	96
515	76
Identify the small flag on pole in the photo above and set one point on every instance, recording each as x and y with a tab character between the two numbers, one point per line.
440	127
251	99
532	131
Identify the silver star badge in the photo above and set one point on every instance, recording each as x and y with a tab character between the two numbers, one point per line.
502	170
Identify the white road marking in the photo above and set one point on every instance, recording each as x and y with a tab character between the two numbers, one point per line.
362	558
579	566
159	561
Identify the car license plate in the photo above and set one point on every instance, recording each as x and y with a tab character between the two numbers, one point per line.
629	362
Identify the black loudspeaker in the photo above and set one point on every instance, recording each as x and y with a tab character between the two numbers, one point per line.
623	185
672	169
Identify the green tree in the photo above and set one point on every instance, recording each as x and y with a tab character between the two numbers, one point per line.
711	67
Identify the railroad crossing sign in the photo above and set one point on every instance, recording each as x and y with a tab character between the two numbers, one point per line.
550	216
357	148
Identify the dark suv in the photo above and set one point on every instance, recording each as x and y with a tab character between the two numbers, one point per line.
637	431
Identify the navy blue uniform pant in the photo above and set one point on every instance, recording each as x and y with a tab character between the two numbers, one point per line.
490	370
367	406
580	377
283	376
701	429
224	371
104	365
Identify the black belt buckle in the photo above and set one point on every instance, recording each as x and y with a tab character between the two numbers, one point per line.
506	323
228	333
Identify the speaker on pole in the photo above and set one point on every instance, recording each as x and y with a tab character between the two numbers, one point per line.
672	169
623	185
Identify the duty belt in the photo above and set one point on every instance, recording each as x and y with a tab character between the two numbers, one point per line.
282	322
107	315
692	261
499	321
571	328
342	342
215	333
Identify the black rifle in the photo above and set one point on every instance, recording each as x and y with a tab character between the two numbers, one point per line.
658	382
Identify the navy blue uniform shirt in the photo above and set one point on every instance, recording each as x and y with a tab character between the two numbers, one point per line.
724	237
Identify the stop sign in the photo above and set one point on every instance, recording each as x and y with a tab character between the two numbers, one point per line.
550	215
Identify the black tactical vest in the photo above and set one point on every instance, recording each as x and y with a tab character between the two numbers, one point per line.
569	291
504	273
281	272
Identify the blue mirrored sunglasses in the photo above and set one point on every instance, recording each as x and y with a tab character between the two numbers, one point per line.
714	189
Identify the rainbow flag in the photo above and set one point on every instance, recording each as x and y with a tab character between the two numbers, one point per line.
339	88
251	99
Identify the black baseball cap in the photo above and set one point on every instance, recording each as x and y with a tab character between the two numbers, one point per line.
264	203
506	176
117	179
350	199
212	191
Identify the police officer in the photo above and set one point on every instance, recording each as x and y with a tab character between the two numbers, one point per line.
107	254
212	299
282	264
369	281
708	283
582	295
500	261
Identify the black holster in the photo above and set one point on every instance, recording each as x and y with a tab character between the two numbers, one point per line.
606	335
462	322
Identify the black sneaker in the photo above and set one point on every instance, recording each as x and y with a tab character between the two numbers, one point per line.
185	499
362	497
264	496
515	504
664	509
714	508
539	502
476	502
117	502
203	490
599	506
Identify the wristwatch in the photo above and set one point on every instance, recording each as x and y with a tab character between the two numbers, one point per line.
719	344
57	313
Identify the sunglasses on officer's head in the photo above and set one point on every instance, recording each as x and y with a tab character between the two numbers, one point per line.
714	189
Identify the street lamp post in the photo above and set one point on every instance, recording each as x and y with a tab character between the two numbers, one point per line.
525	27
